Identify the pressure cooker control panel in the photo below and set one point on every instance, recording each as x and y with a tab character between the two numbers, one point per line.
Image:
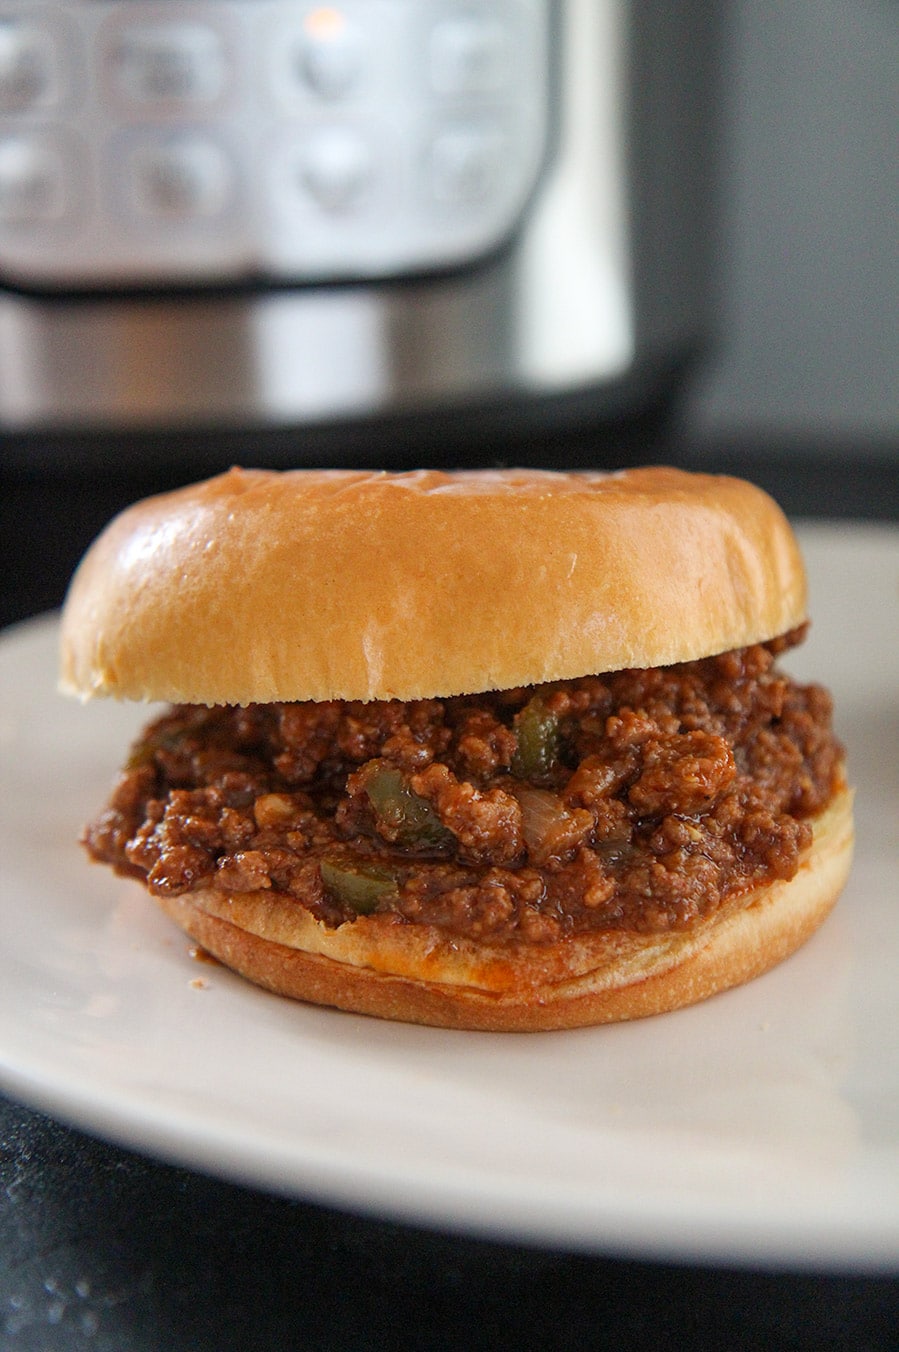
186	142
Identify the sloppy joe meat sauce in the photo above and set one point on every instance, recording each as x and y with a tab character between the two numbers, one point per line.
640	799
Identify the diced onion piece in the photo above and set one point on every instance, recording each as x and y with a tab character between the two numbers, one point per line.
550	829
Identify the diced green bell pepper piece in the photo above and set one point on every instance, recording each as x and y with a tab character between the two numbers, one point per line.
539	740
357	883
407	819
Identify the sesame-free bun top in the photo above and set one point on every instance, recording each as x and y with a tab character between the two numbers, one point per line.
257	586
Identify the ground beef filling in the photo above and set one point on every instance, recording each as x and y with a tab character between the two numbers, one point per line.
638	800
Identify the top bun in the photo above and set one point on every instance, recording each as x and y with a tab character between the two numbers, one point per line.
258	586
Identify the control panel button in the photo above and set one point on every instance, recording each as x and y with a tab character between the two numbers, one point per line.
325	56
334	166
181	178
168	63
327	53
34	180
465	165
469	54
30	66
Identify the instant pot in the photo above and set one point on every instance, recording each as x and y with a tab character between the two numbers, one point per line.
270	214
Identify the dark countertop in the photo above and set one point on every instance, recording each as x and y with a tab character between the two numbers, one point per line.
103	1249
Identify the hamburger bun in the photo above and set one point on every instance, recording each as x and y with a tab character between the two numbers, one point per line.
258	587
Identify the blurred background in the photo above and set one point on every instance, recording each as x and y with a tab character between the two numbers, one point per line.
586	232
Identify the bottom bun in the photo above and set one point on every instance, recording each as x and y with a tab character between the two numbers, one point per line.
384	966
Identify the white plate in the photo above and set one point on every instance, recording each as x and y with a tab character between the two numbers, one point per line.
762	1126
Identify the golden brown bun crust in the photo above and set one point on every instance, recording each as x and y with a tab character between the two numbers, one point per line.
258	586
411	973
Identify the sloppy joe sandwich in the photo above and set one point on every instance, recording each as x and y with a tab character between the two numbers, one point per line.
502	750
